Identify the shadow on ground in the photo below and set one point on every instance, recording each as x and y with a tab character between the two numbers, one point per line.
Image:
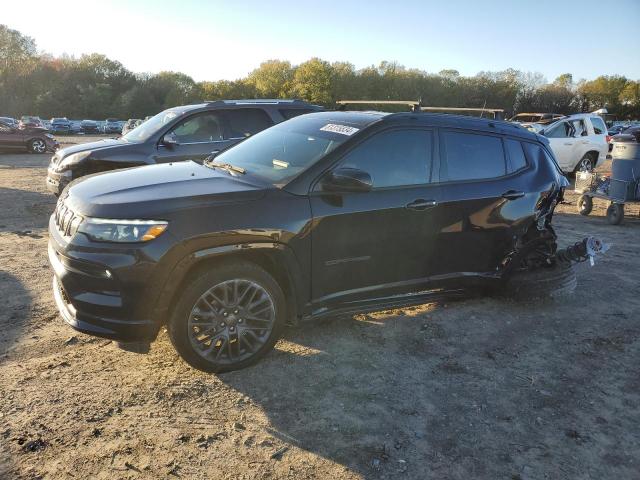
386	395
15	313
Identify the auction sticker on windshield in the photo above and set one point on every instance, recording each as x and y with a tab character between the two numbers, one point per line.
342	129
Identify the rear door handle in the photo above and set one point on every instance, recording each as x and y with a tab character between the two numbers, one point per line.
421	204
512	195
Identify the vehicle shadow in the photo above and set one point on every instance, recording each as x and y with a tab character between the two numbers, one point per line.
15	312
371	393
478	390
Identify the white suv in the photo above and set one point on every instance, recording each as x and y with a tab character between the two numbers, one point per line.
579	142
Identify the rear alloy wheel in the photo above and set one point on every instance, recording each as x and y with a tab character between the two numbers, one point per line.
228	319
615	213
585	205
586	164
37	145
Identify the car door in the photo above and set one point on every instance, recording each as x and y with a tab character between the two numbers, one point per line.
374	243
480	202
10	137
565	145
194	138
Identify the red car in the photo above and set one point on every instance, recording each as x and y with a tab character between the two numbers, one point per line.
33	139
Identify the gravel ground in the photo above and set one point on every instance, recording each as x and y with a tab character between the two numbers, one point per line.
479	388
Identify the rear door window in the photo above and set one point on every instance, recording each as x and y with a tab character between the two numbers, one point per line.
471	156
244	122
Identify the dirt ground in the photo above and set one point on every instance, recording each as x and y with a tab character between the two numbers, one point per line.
479	388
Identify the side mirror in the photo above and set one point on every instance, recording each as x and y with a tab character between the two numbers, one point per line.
170	140
344	180
541	132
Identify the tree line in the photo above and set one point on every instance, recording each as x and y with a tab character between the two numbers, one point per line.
94	86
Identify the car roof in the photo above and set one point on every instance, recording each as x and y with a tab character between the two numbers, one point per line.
576	116
352	118
249	102
460	121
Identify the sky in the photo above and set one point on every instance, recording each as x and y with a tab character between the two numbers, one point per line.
213	40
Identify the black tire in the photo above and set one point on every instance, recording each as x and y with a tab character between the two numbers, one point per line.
37	145
183	333
556	281
586	164
615	213
585	205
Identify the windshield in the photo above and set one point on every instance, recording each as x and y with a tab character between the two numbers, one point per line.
280	153
144	131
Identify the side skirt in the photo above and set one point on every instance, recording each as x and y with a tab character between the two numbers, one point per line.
385	303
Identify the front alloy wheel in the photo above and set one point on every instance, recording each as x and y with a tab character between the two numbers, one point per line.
228	318
37	145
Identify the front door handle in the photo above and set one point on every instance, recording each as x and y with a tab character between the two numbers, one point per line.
421	204
512	195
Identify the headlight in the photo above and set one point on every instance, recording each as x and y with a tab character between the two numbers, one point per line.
48	135
109	230
71	160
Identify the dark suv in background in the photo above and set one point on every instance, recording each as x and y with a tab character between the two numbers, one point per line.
328	212
189	132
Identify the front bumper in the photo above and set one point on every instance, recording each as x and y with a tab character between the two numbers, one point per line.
99	298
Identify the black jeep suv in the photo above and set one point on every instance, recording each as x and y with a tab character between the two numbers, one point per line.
182	133
325	213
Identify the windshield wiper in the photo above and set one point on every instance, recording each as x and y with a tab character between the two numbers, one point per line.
225	166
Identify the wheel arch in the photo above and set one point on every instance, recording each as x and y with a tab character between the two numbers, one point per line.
277	259
594	154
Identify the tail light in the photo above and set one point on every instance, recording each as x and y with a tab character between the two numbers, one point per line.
608	138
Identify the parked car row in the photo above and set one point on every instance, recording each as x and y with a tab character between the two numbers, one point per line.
62	125
295	213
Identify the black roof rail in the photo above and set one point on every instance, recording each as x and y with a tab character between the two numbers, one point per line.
417	106
274	101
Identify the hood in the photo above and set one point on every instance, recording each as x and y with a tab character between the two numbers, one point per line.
155	191
93	146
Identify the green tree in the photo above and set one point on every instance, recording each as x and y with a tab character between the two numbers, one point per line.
312	81
272	79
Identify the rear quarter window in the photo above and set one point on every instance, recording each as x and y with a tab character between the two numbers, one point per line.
471	156
515	154
535	153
